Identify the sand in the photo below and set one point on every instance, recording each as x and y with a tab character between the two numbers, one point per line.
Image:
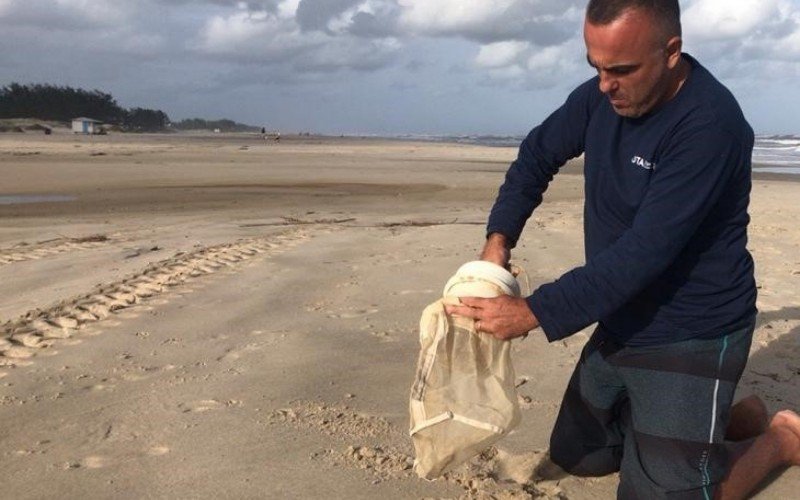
220	316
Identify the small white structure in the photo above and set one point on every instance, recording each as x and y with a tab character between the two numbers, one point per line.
84	125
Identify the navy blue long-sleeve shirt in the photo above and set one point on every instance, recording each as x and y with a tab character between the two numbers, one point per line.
665	216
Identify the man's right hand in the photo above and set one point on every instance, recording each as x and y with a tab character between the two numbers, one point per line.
496	250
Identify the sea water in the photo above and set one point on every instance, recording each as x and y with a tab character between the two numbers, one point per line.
778	154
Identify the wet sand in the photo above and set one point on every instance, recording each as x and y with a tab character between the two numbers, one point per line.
220	316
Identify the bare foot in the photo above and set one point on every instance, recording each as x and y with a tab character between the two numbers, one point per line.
786	426
749	418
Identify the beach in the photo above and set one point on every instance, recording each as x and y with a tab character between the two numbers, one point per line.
220	316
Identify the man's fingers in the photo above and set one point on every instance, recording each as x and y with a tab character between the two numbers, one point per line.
470	307
466	311
474	302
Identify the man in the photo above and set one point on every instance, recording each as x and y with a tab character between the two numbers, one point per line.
668	277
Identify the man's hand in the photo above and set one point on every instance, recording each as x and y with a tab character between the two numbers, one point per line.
496	250
503	317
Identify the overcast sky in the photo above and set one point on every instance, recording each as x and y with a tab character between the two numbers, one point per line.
375	66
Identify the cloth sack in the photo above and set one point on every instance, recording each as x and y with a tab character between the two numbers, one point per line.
463	399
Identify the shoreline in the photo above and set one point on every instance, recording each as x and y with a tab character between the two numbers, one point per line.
251	138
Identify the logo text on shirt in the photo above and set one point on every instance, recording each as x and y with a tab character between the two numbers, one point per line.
638	160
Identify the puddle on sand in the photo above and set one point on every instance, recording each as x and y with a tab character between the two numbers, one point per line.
18	199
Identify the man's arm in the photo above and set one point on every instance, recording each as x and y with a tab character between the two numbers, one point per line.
559	138
496	250
546	148
686	186
688	182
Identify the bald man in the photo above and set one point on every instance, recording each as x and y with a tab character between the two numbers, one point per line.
668	278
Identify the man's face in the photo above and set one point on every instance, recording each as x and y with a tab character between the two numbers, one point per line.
632	60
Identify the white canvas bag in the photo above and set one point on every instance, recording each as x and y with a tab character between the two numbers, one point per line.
463	399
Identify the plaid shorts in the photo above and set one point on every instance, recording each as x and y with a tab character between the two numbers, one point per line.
657	414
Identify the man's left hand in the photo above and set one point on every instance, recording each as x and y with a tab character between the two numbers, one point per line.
503	317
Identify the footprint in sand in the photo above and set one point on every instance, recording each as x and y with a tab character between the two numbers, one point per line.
94	462
414	292
316	306
99	387
360	313
234	353
201	406
207	405
157	451
383	336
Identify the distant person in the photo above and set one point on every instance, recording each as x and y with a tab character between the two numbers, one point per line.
668	277
277	137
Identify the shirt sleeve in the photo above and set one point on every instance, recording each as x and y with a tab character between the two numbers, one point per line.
687	182
543	152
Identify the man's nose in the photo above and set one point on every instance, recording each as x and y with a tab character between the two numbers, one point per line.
607	84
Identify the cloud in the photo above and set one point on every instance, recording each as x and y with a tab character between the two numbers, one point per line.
500	54
278	38
191	48
66	29
525	65
65	15
316	14
544	22
246	33
716	20
349	53
760	35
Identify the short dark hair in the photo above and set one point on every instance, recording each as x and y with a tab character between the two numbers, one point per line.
665	12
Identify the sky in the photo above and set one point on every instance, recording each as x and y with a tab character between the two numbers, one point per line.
443	67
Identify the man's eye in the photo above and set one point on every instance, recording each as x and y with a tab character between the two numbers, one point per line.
621	71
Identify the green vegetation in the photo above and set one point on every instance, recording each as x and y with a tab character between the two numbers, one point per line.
221	125
62	104
50	102
145	120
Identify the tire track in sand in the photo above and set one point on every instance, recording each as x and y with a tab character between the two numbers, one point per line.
36	251
22	338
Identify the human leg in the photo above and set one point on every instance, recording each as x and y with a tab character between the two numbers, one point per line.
587	438
681	397
749	419
778	446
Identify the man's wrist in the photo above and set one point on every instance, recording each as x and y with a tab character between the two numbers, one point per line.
496	250
497	239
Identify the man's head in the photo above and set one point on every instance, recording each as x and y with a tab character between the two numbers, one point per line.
635	46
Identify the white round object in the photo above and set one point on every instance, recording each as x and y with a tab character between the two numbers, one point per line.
475	279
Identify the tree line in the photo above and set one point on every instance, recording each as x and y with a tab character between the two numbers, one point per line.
63	103
223	125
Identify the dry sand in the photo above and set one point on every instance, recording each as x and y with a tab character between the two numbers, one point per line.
221	317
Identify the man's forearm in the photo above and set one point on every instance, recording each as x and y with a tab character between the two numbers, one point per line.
496	249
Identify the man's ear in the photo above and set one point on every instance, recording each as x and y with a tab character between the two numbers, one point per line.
674	46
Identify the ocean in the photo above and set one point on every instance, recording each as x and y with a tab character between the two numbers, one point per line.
777	154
